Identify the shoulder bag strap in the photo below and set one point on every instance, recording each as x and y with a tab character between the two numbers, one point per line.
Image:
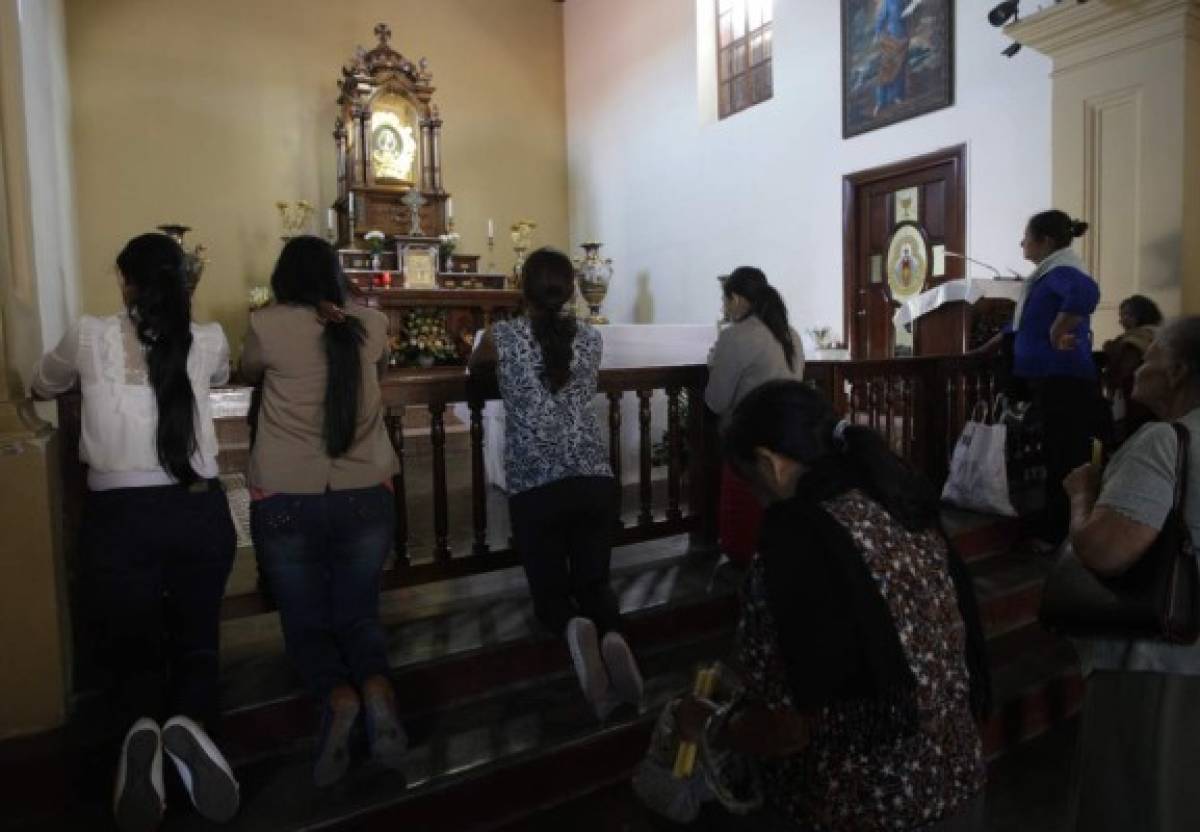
1179	504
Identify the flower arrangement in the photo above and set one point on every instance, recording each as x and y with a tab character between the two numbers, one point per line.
375	240
824	338
446	245
259	297
423	340
294	215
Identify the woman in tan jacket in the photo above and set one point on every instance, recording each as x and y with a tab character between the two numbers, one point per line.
322	515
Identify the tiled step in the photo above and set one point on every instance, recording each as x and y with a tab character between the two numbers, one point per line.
445	649
1009	589
1037	681
471	765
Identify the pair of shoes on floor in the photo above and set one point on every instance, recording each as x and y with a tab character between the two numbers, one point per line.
385	736
139	797
607	671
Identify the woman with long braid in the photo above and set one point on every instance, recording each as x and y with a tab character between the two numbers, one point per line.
157	540
563	501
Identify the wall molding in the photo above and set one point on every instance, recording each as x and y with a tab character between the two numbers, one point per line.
1077	33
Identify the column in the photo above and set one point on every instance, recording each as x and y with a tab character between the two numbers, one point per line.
1126	143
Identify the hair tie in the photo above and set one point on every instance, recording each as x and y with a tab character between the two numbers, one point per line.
839	433
330	313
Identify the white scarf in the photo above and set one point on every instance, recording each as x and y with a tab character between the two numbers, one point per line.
1063	257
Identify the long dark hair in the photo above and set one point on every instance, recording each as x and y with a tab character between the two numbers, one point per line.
152	266
765	304
1057	226
308	274
793	419
548	282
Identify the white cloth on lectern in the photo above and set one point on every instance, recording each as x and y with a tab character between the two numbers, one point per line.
967	289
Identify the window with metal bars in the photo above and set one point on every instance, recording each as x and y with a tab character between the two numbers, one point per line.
743	54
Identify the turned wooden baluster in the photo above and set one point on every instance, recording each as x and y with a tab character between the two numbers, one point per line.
441	522
478	479
395	426
614	445
673	431
646	515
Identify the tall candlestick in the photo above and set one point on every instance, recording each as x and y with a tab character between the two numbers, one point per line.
491	230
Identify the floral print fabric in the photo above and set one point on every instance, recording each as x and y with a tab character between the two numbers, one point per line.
548	436
840	782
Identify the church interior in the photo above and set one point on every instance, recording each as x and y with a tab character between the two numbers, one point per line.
878	161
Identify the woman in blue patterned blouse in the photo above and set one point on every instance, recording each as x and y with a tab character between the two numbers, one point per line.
563	499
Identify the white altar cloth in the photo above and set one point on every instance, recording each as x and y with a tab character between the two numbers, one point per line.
968	289
625	346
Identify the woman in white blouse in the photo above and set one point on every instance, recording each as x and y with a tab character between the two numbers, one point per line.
157	541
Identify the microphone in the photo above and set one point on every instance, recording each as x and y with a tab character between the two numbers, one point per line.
987	266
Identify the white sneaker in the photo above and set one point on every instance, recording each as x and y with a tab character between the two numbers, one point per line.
622	668
203	769
138	796
589	666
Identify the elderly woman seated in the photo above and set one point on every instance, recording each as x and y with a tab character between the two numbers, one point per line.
1141	726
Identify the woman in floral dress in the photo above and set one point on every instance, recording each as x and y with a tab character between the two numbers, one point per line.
859	642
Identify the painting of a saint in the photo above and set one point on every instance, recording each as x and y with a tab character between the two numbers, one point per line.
897	61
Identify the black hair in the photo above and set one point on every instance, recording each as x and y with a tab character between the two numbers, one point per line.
1144	311
793	419
1181	337
152	266
308	274
1056	226
765	304
548	282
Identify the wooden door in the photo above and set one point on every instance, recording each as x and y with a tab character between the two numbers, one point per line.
877	203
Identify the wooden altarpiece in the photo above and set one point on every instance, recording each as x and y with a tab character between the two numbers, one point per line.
389	166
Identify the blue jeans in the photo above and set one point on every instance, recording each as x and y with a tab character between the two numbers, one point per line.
322	555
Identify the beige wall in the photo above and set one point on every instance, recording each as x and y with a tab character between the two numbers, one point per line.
207	113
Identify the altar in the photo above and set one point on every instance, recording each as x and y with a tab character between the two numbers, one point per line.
393	217
625	346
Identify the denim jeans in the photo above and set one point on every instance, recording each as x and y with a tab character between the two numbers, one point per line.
322	555
154	562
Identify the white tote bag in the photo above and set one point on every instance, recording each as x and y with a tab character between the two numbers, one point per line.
978	470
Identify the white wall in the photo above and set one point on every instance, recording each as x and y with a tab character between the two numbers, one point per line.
679	197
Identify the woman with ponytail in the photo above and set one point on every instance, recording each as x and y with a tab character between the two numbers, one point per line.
564	502
757	346
157	540
860	642
1051	337
322	514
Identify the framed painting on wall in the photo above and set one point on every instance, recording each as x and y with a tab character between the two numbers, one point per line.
897	61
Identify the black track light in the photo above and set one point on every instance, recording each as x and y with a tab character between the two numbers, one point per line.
1004	12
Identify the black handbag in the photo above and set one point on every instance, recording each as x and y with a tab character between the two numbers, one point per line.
1157	599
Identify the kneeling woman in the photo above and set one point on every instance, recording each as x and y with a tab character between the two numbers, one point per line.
157	540
564	500
322	515
861	676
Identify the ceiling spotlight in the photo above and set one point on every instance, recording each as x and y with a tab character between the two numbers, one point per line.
1012	49
1004	12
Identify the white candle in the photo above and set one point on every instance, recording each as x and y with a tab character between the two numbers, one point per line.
351	202
331	219
449	208
491	229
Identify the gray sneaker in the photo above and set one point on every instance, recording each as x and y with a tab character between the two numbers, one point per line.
622	668
203	769
138	794
584	645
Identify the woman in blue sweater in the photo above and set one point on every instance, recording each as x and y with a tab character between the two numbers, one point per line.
1052	353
